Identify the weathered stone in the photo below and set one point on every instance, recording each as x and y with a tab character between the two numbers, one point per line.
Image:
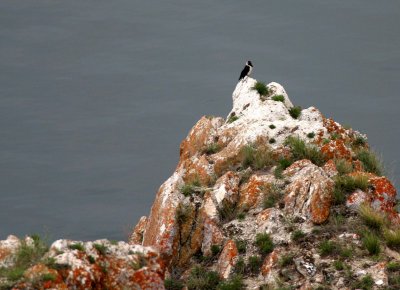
161	228
309	194
305	267
270	262
137	233
251	192
96	265
226	260
212	235
336	149
7	249
201	134
272	222
330	168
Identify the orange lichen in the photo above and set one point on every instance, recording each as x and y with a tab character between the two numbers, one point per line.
336	149
250	192
330	168
321	204
227	259
270	262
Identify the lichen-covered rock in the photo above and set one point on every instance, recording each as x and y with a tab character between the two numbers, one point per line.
309	194
95	265
226	260
272	222
336	149
212	235
137	233
161	228
8	247
381	195
330	168
252	192
270	262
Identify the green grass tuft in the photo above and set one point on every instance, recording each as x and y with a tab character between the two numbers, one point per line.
278	98
102	249
232	118
301	150
370	162
264	243
372	218
192	188
392	238
295	112
254	264
200	279
343	166
25	257
226	212
261	88
371	243
297	235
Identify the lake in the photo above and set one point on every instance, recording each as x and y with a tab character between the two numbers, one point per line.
96	96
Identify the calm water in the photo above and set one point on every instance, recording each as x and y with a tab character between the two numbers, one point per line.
95	96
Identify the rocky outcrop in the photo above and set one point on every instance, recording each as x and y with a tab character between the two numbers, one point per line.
267	194
87	265
231	189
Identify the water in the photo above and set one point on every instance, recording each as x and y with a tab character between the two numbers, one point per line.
97	95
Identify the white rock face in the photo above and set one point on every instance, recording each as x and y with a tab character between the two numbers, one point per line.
7	249
256	115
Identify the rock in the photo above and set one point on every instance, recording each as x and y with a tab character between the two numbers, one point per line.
161	227
227	259
226	189
252	192
137	233
382	195
336	149
305	267
212	235
271	221
7	250
96	265
330	168
270	262
309	194
356	199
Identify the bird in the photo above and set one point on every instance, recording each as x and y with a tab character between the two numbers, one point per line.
247	70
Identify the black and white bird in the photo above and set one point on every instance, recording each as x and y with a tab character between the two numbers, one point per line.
247	70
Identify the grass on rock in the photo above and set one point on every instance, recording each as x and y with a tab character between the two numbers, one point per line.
295	112
261	88
264	243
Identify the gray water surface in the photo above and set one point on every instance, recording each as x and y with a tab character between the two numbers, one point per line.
95	96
